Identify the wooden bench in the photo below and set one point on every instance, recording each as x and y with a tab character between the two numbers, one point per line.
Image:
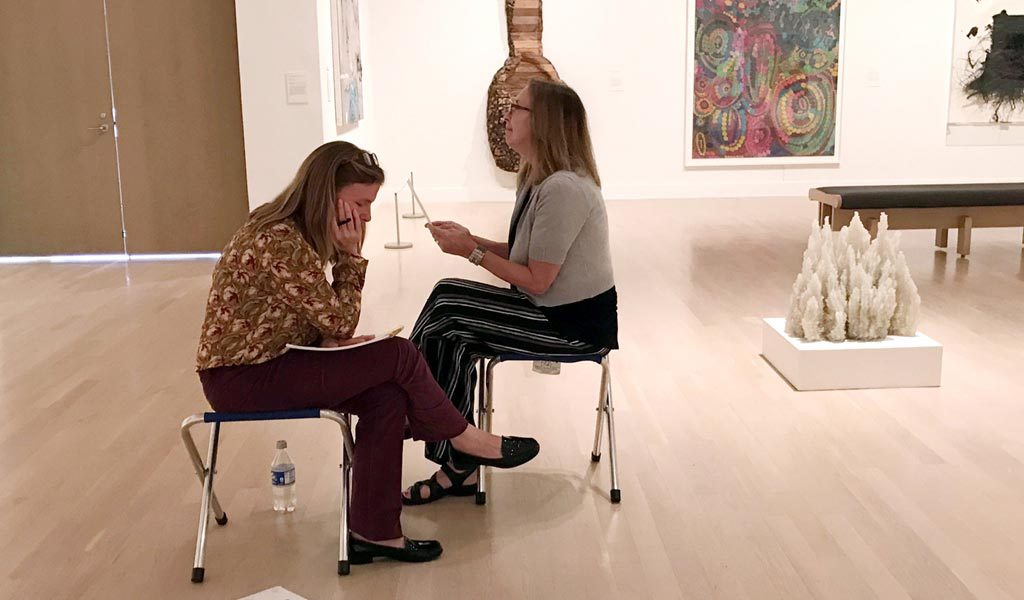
939	207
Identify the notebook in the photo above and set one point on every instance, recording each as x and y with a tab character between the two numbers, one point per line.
379	338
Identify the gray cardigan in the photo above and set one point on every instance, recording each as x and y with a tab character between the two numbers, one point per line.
565	224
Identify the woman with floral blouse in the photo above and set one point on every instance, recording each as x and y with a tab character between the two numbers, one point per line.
270	289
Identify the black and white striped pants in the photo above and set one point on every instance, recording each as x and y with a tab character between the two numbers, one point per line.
464	321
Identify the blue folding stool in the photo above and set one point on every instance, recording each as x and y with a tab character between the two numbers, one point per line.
206	473
605	407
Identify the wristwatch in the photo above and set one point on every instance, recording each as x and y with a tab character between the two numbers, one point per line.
477	255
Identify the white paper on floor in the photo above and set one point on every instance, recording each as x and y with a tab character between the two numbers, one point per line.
274	593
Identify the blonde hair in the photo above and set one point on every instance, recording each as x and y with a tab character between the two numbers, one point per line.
310	199
559	134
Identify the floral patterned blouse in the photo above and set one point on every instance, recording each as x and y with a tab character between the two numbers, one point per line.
269	289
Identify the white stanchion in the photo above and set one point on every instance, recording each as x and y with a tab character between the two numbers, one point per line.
398	244
413	214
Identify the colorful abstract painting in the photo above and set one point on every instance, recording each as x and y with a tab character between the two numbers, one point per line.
348	63
765	80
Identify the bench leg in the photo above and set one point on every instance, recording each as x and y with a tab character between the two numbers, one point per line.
872	227
824	214
840	218
963	237
942	238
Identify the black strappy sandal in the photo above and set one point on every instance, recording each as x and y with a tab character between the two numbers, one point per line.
437	491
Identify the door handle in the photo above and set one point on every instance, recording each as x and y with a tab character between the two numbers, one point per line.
103	128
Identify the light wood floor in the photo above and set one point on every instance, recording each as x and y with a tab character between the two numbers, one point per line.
734	485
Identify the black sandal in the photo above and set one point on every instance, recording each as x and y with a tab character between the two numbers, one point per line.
437	491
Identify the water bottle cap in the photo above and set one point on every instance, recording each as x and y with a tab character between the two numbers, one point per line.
281	444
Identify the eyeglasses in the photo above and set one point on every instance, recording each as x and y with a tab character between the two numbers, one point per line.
515	106
367	158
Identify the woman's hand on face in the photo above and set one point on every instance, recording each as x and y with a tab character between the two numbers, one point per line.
336	343
348	231
453	240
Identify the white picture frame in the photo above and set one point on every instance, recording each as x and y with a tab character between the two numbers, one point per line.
690	161
348	64
967	14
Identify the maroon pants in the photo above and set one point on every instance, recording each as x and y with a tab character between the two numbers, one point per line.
384	384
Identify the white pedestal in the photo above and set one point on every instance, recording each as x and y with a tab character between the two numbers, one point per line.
890	363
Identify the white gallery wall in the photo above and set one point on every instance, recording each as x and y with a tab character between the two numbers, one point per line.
427	66
276	37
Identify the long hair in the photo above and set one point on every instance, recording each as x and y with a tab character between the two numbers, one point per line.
310	199
559	134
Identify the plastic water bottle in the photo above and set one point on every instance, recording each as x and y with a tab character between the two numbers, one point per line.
282	479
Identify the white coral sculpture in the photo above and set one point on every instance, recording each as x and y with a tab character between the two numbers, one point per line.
853	287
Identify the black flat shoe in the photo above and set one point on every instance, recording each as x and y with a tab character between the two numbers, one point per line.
515	451
361	552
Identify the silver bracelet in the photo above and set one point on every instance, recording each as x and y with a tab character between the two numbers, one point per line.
477	255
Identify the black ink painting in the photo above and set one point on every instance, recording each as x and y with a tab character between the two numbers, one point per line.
996	75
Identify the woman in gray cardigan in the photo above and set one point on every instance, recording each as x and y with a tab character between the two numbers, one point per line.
557	259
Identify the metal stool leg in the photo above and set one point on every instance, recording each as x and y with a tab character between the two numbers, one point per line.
347	455
595	455
198	571
197	463
486	374
616	493
481	422
489	411
346	486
